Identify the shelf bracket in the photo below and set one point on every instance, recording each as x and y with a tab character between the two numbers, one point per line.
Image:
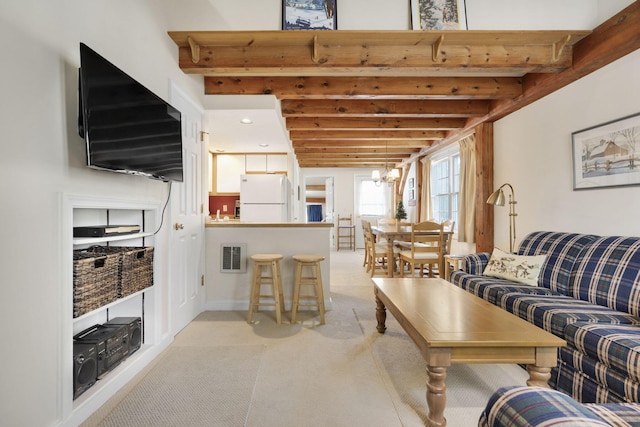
436	48
195	50
558	47
314	50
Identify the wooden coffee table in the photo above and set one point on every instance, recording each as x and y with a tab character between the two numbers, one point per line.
450	325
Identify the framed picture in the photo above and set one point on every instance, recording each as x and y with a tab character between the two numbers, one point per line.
438	15
309	15
412	194
411	182
607	155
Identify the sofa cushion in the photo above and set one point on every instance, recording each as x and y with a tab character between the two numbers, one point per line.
582	388
491	289
536	406
608	274
621	414
518	268
619	387
476	263
554	313
615	346
562	250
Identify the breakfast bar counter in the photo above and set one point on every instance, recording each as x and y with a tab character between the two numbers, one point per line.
239	224
228	289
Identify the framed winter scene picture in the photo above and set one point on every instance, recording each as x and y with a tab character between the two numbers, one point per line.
438	15
309	15
607	155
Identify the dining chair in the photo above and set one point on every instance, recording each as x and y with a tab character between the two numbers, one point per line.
366	224
346	234
427	248
448	226
379	257
386	221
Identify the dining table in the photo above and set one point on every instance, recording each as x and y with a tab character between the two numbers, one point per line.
394	233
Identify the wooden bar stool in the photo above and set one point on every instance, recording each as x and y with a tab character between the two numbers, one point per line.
267	263
314	278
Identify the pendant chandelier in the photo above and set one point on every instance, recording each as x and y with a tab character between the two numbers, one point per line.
388	175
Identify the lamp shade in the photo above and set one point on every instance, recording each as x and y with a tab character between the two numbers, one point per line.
375	175
496	198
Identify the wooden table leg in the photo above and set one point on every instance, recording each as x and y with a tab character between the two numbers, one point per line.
538	376
436	395
381	313
391	261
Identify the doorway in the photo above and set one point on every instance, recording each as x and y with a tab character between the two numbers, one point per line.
319	197
371	202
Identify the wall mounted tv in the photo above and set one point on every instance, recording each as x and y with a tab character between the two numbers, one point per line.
126	127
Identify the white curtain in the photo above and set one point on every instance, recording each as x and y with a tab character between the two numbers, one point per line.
426	209
466	201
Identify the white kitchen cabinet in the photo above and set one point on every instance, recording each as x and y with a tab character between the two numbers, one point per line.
277	163
256	163
228	168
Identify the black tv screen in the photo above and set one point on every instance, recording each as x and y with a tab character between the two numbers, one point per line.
126	127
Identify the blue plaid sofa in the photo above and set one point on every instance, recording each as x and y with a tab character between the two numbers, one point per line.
589	294
536	406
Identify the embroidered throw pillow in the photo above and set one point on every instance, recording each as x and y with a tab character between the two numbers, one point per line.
519	268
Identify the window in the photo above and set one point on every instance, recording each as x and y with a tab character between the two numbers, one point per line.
372	199
445	187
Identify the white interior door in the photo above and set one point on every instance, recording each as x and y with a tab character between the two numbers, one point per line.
186	269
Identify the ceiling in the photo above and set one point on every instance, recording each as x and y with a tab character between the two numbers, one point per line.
360	98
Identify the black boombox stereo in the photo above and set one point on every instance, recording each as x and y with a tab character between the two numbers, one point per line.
85	367
134	330
112	345
100	348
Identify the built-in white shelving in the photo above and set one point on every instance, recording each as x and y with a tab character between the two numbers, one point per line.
91	211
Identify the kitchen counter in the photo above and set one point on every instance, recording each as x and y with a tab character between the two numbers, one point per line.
227	290
240	224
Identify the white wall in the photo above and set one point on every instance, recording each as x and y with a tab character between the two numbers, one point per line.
41	155
533	152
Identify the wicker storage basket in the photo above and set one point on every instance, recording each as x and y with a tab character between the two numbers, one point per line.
135	270
95	280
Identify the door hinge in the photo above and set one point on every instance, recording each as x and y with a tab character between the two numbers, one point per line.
201	208
202	280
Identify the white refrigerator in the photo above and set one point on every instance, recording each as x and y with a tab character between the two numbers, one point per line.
264	198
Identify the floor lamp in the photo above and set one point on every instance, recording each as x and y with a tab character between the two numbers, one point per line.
497	199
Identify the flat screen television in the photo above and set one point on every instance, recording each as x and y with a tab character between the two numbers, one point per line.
126	127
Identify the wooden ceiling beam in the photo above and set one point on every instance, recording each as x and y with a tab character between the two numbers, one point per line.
375	53
373	123
262	39
368	134
357	150
319	164
366	87
354	143
383	108
351	158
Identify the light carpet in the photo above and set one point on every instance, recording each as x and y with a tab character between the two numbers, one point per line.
221	371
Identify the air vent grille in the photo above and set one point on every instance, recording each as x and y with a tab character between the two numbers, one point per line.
233	259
